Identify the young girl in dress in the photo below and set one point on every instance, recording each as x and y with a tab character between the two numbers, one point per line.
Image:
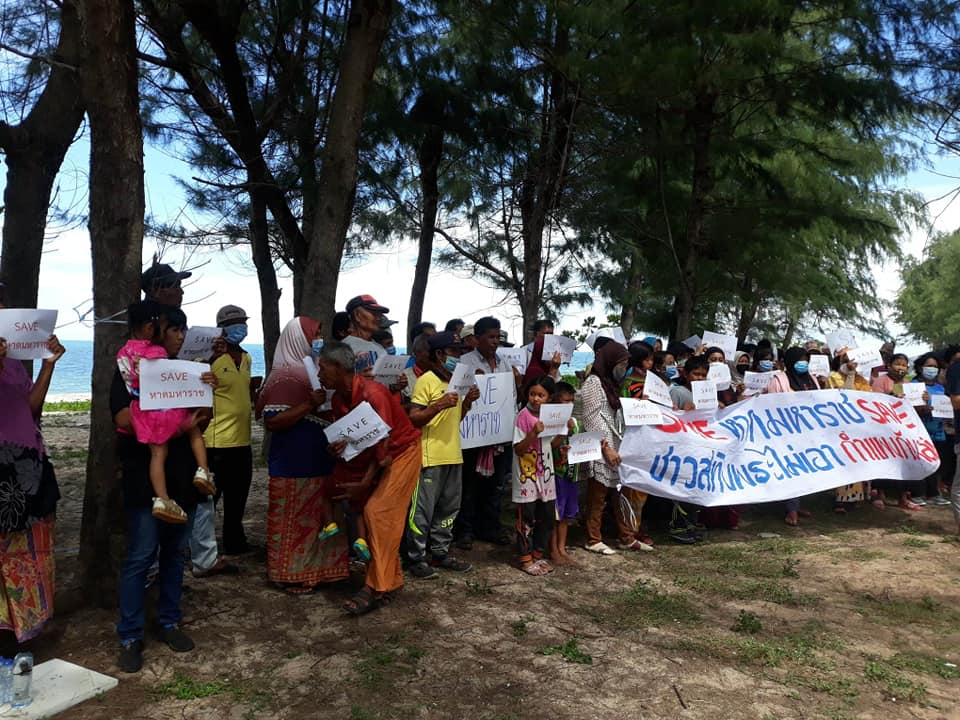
147	323
534	484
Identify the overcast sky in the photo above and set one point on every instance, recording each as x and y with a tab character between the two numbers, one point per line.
228	277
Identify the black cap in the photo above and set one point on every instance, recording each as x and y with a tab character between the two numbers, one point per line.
161	275
445	340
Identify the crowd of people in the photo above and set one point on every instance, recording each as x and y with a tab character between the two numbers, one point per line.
407	504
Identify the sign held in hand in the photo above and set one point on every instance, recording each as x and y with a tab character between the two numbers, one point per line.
168	384
913	393
656	389
27	332
819	365
554	417
641	412
942	406
198	343
362	428
558	344
720	373
389	368
584	447
727	343
462	379
704	394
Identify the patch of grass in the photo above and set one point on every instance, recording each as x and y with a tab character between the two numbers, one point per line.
901	611
830	685
730	587
747	623
644	605
360	713
569	651
183	687
903	528
389	658
519	626
71	455
67	406
893	684
917	542
924	664
478	588
789	568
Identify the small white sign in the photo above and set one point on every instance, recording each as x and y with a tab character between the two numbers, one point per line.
641	412
913	393
166	384
515	357
727	343
720	373
362	428
554	417
656	389
704	394
558	344
819	365
942	406
757	382
27	332
839	339
866	359
198	343
311	367
462	379
584	447
389	368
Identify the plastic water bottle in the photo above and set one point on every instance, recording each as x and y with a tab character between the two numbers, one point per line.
6	679
22	679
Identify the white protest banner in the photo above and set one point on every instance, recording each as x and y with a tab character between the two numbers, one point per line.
839	339
361	428
913	393
704	394
493	414
554	417
389	368
558	344
462	379
727	343
584	447
720	374
27	332
198	343
656	389
942	406
515	357
866	360
640	412
776	447
311	367
757	382
166	384
693	342
819	365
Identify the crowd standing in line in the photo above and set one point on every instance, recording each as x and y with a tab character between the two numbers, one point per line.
416	495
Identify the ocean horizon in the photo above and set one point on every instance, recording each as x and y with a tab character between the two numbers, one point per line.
71	379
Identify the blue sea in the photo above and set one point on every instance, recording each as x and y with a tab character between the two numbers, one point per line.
72	376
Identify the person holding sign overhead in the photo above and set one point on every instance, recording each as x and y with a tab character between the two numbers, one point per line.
299	466
390	468
28	497
436	500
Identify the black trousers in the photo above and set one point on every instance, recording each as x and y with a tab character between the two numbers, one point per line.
480	502
233	473
535	522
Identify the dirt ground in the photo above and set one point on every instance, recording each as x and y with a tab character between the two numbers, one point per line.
853	616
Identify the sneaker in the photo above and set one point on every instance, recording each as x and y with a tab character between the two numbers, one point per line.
203	481
938	500
918	501
328	531
601	548
422	571
131	656
362	550
175	638
684	536
452	564
168	511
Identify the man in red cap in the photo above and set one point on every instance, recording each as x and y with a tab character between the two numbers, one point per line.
366	315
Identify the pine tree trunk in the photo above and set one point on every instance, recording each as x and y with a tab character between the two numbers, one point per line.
431	150
266	277
366	30
116	233
34	151
628	311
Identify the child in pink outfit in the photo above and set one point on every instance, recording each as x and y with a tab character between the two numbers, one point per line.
156	427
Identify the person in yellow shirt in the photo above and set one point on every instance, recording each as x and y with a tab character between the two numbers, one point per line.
437	411
228	435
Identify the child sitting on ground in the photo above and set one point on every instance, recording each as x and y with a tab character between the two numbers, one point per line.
155	428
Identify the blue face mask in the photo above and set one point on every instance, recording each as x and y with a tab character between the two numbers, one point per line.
315	347
391	351
235	334
801	366
930	373
450	363
765	365
671	371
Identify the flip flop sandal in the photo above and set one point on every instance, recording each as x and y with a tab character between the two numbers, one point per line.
362	603
545	566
